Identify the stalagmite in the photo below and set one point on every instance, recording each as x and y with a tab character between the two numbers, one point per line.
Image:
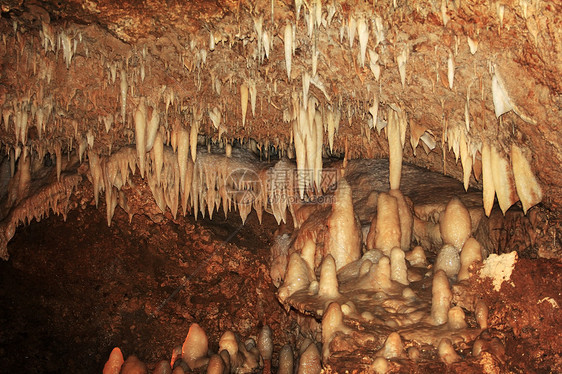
448	260
343	239
471	253
308	254
398	269
441	298
216	365
328	285
288	38
229	343
456	318
133	366
455	224
488	189
380	275
380	365
265	343
503	181
163	367
286	360
296	278
481	314
388	233
114	363
332	323
310	361
406	219
447	352
393	346
528	188
416	257
195	347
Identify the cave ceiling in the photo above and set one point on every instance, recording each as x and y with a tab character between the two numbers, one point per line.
87	66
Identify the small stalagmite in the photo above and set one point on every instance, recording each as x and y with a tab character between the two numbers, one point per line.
481	312
406	219
195	347
393	346
448	260
343	240
310	361
416	257
286	360
398	269
447	352
441	297
265	346
163	367
454	224
332	323
308	254
133	366
216	365
380	275
388	234
380	365
456	318
229	343
114	363
328	285
471	253
296	278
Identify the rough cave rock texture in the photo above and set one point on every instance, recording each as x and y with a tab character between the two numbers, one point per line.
74	72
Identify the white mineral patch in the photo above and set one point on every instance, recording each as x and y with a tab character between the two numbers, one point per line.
499	268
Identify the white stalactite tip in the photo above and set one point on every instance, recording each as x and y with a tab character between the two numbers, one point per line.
528	188
451	70
502	102
288	39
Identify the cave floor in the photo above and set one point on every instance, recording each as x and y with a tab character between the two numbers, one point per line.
73	290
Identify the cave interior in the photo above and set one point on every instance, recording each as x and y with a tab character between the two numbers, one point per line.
280	186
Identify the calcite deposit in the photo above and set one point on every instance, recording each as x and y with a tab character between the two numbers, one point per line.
387	169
